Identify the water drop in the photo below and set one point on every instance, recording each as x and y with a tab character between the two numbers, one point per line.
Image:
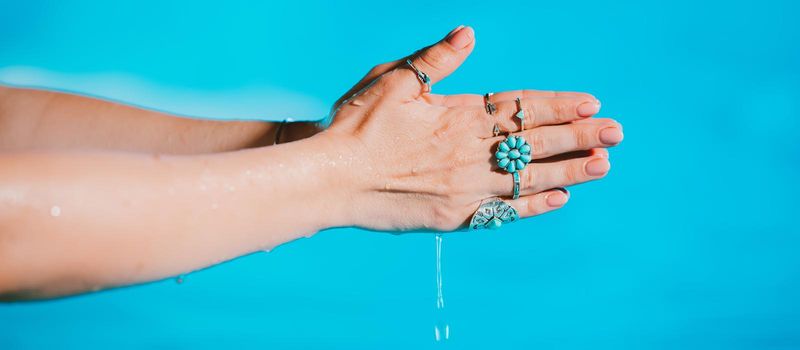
55	211
441	328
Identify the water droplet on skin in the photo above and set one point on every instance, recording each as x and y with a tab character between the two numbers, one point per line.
55	211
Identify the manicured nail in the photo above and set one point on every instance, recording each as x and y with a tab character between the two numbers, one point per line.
588	109
556	199
562	189
453	31
597	167
611	135
461	37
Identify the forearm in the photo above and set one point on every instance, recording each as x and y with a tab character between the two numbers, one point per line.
44	120
76	222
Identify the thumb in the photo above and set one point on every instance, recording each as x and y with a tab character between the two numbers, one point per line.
437	61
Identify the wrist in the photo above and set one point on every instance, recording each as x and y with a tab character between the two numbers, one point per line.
343	181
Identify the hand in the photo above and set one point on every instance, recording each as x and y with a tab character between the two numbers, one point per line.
425	161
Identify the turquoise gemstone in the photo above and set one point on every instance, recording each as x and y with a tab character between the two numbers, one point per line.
520	115
503	147
514	154
525	158
511	167
494	223
511	142
503	162
520	142
520	164
525	149
501	155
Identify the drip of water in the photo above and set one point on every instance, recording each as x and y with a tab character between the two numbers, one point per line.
441	328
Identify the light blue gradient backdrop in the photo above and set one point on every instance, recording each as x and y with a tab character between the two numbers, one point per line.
691	242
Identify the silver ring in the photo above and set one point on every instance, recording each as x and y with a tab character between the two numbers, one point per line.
422	76
491	108
520	115
492	214
516	184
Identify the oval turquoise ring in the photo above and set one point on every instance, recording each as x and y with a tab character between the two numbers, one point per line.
513	154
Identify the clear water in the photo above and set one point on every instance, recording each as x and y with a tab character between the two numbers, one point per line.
691	243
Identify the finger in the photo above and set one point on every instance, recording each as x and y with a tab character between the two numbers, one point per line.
540	203
379	70
538	177
538	111
477	100
548	141
437	61
367	79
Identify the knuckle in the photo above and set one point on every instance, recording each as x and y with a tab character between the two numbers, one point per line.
528	178
530	115
537	143
434	57
583	140
572	173
559	109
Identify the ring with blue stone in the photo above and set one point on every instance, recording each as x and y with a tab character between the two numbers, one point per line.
492	214
513	154
421	76
516	184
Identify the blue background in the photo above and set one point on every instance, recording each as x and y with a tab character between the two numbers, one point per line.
691	242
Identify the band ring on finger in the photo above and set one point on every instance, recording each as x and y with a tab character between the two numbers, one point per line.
520	115
492	214
491	108
422	76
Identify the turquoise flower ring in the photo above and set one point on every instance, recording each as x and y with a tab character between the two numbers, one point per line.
513	154
492	214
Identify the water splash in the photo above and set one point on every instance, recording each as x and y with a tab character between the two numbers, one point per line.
441	330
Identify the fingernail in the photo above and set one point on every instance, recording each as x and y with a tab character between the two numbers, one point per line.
556	199
588	109
453	31
611	135
562	189
460	37
597	167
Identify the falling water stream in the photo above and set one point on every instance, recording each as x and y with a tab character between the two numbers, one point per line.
441	328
